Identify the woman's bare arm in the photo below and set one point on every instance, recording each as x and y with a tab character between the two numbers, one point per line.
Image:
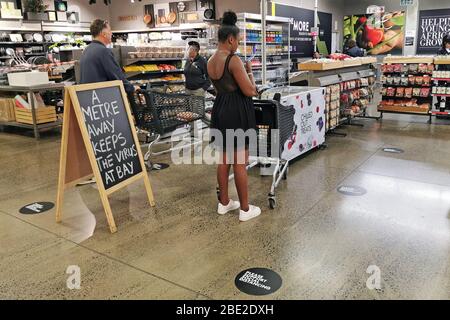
245	81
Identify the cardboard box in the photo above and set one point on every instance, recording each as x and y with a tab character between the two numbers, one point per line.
7	110
43	115
27	79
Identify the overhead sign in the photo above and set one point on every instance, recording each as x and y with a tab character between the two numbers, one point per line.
406	3
410	37
99	140
375	9
433	26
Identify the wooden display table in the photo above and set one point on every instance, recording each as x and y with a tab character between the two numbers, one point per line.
406	59
442	60
30	91
338	64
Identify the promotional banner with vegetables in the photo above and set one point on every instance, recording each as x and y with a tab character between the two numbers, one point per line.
377	34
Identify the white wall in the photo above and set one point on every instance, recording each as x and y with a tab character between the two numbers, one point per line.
123	7
251	6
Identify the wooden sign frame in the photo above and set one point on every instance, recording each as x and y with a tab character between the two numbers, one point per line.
78	161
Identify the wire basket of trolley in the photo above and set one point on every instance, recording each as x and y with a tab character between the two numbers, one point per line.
166	119
290	123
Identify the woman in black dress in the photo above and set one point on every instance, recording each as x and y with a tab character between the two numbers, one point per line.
233	110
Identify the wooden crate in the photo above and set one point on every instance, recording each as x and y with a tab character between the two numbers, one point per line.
43	115
402	59
404	109
352	62
7	109
310	66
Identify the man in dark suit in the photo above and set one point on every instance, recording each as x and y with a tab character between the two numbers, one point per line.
97	63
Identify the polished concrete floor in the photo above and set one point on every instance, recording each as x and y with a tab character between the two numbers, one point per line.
321	242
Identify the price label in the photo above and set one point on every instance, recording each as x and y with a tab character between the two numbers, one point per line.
406	3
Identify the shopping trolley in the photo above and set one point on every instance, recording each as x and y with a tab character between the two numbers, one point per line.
166	119
274	127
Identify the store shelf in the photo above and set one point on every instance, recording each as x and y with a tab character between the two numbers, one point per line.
268	43
257	17
12	18
272	55
270	46
50	125
357	88
270	65
413	97
409	73
132	61
440	113
441	62
185	27
70	49
167	82
404	109
408	60
161	72
21	43
440	79
65	28
440	95
406	86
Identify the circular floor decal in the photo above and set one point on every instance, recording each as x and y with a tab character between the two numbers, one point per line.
352	190
393	150
258	281
159	166
37	208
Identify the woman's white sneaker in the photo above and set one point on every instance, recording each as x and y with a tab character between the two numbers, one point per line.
232	205
252	212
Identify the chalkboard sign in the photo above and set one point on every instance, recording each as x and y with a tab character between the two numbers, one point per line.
99	140
110	134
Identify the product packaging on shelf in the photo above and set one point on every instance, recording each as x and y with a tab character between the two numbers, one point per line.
400	92
408	92
425	92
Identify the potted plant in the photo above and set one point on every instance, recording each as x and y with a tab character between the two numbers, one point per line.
35	10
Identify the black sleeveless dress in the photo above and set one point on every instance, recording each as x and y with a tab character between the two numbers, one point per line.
232	109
